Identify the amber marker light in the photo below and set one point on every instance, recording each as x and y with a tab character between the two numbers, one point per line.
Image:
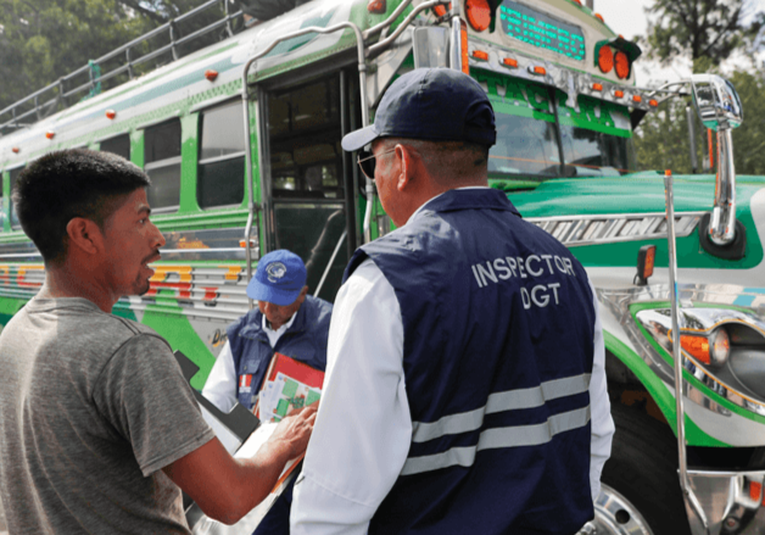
464	47
111	114
597	87
622	65
478	14
599	17
480	54
510	62
696	346
442	10
536	69
619	93
377	7
653	102
637	98
50	134
755	491
15	150
211	74
645	261
605	59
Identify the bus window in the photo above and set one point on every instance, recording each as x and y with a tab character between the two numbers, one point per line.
119	145
220	177
162	153
527	138
14	175
596	139
304	137
309	216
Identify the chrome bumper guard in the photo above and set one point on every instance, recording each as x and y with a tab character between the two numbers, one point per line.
727	503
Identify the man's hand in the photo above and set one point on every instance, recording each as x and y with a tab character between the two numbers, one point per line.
227	488
295	430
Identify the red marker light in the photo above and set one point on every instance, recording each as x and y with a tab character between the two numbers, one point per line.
49	134
377	7
111	114
211	75
15	150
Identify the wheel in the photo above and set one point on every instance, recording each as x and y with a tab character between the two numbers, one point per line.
640	491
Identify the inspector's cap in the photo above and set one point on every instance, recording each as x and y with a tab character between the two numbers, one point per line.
279	278
431	104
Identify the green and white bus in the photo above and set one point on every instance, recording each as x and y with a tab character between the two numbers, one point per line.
242	142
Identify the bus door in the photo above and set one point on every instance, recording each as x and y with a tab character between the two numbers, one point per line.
308	180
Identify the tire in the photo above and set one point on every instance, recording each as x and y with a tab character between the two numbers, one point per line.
641	489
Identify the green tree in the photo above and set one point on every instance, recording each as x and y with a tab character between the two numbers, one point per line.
698	29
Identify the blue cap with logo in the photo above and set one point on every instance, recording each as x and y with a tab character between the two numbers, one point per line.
431	104
279	279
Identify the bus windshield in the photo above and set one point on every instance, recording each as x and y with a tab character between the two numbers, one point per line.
542	135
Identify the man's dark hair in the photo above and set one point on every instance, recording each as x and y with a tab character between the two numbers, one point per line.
66	184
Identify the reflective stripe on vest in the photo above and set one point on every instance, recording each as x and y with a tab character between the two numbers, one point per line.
502	437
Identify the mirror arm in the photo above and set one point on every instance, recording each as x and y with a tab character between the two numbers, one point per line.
722	224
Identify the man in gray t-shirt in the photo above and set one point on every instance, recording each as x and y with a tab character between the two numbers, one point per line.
98	428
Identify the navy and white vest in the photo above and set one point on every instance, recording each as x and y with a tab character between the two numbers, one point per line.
305	340
498	321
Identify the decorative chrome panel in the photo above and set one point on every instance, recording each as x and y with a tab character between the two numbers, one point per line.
731	501
595	229
714	419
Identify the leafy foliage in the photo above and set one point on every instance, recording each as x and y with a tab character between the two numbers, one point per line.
698	29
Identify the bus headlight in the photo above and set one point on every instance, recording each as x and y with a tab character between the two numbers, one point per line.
723	348
720	350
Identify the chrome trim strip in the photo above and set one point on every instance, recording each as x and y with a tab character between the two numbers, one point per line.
612	228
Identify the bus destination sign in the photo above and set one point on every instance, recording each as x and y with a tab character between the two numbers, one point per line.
538	29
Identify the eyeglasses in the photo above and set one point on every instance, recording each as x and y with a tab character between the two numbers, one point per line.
369	161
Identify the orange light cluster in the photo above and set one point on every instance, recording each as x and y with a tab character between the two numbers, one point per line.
618	61
478	14
622	65
605	58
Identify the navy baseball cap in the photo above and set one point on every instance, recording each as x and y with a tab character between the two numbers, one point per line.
431	104
279	279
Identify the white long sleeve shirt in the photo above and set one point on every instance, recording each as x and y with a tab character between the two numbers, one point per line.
363	428
221	386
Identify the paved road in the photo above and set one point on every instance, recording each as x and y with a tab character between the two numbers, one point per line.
3	527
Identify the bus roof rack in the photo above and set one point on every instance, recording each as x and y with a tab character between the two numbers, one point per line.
88	78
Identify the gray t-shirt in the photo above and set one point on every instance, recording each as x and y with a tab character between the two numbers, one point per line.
93	406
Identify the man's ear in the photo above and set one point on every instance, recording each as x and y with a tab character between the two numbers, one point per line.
302	295
406	172
84	234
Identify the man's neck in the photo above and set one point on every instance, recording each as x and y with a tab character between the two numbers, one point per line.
61	283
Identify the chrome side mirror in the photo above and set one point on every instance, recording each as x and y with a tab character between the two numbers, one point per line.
716	102
719	109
